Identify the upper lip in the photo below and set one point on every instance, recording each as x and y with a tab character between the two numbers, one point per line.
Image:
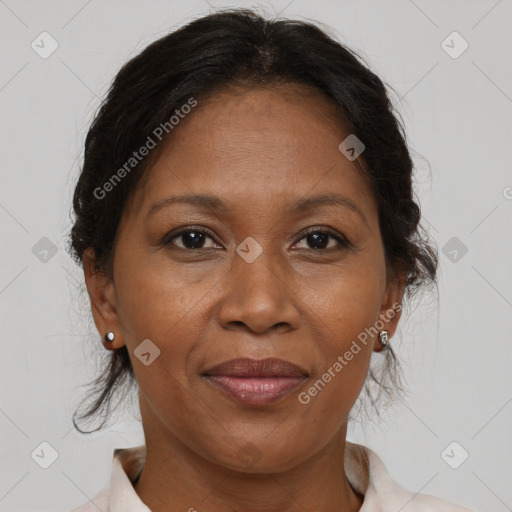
245	367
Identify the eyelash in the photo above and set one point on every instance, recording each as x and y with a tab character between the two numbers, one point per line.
343	242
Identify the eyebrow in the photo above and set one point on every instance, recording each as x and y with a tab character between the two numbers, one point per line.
214	204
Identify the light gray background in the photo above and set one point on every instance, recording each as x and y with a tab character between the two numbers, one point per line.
458	118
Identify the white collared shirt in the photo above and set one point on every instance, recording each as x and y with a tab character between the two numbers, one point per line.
364	469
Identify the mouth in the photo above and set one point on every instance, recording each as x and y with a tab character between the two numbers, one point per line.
256	382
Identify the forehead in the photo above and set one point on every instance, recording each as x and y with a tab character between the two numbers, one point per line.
266	146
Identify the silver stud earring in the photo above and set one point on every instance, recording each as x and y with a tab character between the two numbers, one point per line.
383	336
109	337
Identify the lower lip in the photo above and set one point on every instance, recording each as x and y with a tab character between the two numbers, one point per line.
256	390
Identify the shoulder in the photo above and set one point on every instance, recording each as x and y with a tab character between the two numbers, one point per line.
368	475
119	493
99	502
428	503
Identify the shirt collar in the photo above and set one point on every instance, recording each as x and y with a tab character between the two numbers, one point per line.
127	463
364	469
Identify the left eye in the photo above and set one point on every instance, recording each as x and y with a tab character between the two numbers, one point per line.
319	239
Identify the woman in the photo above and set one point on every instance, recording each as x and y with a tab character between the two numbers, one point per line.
247	229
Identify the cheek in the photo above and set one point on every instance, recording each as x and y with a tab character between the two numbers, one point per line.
349	301
158	304
154	299
345	311
345	352
155	303
348	345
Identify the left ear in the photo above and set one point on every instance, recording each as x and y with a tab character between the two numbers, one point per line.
391	309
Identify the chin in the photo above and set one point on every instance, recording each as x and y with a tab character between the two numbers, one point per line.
271	455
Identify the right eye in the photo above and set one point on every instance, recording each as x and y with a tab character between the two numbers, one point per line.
190	238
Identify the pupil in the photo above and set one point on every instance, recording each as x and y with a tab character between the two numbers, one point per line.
192	239
318	239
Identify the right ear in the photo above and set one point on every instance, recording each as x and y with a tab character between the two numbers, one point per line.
102	294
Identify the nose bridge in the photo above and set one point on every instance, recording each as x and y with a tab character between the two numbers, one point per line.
258	294
258	268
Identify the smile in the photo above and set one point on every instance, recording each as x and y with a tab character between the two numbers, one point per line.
256	382
256	390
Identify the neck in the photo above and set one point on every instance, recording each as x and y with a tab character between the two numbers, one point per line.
175	478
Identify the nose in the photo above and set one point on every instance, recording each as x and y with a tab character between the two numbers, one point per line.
259	296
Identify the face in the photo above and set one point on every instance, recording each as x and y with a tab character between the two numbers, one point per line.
275	252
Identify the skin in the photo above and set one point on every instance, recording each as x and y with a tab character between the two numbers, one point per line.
259	151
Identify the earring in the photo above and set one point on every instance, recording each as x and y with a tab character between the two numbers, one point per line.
383	336
109	337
